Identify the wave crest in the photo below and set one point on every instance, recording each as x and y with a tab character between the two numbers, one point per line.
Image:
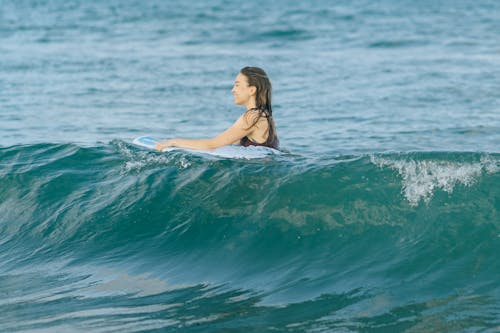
422	177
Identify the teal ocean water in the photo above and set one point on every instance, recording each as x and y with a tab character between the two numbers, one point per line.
381	213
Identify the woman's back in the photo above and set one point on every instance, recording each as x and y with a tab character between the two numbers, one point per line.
262	135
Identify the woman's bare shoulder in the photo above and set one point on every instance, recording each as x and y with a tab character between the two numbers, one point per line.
253	116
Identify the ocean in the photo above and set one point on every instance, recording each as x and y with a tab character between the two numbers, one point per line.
380	213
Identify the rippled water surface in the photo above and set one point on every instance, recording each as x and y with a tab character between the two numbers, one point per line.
348	76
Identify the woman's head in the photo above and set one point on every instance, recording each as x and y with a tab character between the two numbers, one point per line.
253	82
253	89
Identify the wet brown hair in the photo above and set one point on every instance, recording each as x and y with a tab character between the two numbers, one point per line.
257	78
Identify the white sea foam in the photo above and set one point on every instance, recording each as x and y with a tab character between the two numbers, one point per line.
137	160
141	161
491	165
422	178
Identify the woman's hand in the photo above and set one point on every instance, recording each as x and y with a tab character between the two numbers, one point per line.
164	144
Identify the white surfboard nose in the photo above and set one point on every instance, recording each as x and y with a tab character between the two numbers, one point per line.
146	141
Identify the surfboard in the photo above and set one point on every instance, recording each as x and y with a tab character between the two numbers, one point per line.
146	141
149	142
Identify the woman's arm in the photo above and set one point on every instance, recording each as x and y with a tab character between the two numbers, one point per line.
233	134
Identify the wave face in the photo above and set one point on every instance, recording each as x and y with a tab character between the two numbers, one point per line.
112	237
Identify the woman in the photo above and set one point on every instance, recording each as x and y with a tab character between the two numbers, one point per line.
255	127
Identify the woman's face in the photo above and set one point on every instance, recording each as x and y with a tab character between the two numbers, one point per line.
242	91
